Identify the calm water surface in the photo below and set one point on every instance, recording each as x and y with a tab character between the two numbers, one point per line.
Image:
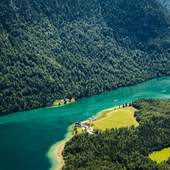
25	137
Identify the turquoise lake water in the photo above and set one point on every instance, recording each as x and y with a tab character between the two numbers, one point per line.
25	137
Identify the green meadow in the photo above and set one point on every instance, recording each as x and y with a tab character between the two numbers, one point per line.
113	118
160	156
116	118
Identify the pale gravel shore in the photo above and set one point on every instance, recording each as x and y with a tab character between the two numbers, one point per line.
55	152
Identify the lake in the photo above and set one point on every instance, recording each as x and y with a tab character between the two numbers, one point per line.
27	136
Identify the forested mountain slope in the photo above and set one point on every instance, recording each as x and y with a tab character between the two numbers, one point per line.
74	48
125	148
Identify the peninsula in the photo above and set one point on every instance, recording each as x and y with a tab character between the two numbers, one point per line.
112	127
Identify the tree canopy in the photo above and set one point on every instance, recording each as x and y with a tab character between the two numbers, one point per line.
74	48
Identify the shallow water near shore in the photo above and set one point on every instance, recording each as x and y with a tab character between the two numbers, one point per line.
26	137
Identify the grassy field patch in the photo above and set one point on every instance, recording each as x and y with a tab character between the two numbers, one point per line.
116	118
160	156
61	102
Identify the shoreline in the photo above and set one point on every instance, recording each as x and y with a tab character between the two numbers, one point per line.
99	114
51	106
55	152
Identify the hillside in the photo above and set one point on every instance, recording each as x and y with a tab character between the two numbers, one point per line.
124	148
73	48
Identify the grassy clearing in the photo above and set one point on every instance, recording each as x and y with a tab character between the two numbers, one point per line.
114	118
79	130
61	102
160	156
123	117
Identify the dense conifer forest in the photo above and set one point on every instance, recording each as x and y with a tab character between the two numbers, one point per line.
126	148
73	48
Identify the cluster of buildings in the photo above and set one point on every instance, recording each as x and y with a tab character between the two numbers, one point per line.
86	126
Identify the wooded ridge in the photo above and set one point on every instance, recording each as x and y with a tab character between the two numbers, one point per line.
59	49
